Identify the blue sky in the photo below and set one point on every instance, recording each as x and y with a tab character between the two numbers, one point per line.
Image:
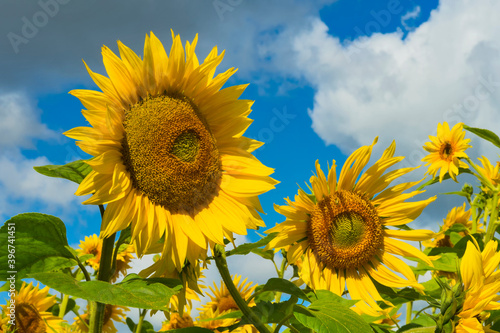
326	77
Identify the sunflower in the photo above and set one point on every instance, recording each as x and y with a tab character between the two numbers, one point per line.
91	245
176	321
481	279
111	313
123	259
341	231
457	215
31	305
169	156
221	299
490	172
445	150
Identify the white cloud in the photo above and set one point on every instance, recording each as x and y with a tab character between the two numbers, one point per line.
20	122
411	15
22	188
447	69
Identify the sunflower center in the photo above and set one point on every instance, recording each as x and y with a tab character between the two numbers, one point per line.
446	150
227	303
345	230
171	154
28	319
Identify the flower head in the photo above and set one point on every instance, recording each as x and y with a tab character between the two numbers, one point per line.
31	305
169	156
481	279
91	245
445	150
342	232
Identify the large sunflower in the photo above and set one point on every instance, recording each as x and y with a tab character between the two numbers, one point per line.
342	231
31	305
445	150
481	279
170	158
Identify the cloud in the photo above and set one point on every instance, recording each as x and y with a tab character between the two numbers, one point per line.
20	123
411	15
447	69
46	39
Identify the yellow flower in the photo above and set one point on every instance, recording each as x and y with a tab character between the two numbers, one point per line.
221	299
111	313
341	232
491	173
31	305
445	150
481	279
123	259
457	215
176	321
221	302
170	158
91	245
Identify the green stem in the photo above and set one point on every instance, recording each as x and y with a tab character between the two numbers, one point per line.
142	314
63	306
221	263
104	274
474	215
492	225
409	309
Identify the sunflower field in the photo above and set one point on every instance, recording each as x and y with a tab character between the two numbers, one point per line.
174	176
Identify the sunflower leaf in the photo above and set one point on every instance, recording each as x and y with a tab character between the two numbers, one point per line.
484	134
75	171
329	314
246	248
284	286
33	243
133	291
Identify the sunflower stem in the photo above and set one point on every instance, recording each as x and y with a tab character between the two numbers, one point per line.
409	309
221	263
492	225
142	314
64	305
105	272
474	215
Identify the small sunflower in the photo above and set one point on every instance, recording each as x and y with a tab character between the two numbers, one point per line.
123	259
111	313
341	232
169	156
31	305
91	245
445	150
176	321
492	173
481	279
457	215
221	299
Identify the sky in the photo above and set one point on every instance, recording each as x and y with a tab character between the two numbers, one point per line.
326	77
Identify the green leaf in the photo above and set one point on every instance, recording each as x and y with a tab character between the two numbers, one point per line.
284	286
484	134
446	177
272	312
75	171
246	248
269	254
133	291
328	314
40	245
463	194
